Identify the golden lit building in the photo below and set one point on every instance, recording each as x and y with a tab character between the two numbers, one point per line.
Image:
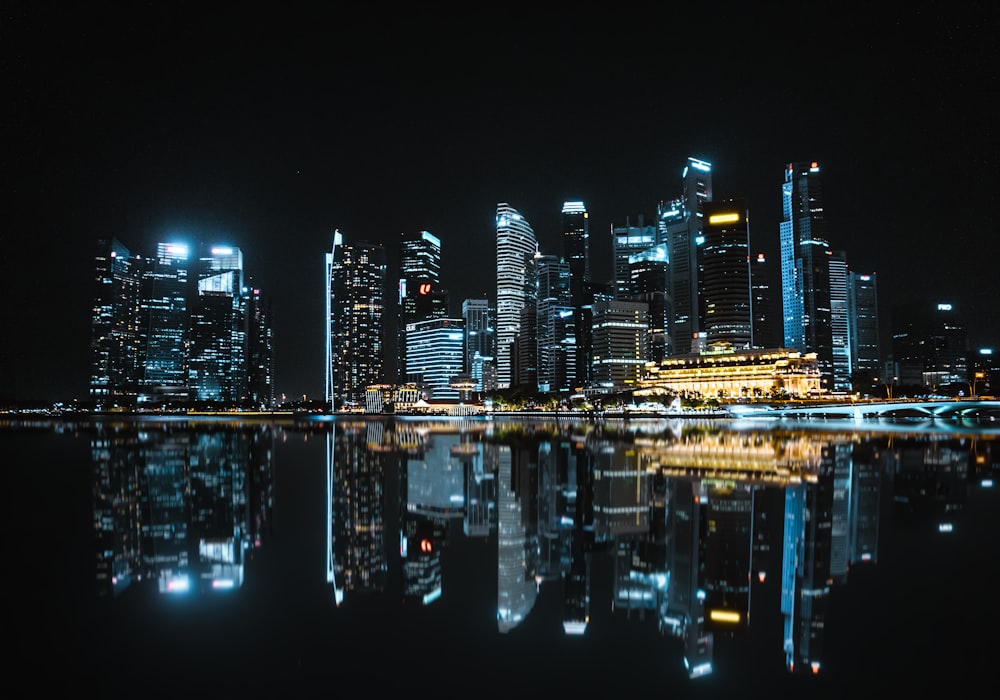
722	372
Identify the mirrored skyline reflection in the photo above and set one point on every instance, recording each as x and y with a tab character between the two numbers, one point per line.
706	541
692	517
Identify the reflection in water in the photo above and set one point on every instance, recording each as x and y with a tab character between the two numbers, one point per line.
696	516
185	508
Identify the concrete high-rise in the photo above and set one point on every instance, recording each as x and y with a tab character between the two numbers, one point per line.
805	268
355	305
516	245
621	332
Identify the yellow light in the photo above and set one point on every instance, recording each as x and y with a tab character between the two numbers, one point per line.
724	616
724	218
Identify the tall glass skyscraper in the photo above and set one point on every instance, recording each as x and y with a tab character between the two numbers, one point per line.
863	319
805	268
725	290
177	327
839	321
164	308
516	246
555	325
680	224
576	247
479	341
420	293
114	339
217	336
355	283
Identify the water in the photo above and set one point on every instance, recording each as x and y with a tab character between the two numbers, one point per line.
495	558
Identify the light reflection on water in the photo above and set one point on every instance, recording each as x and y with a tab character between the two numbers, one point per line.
722	536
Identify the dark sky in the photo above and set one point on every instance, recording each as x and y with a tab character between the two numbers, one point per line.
269	130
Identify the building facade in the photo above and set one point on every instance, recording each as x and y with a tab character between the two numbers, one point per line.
355	309
725	288
680	222
805	268
516	245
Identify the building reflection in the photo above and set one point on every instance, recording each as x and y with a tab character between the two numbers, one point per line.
699	523
183	508
696	520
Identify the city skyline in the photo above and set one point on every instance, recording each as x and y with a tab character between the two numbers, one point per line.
114	135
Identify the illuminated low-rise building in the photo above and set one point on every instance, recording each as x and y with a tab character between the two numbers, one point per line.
727	373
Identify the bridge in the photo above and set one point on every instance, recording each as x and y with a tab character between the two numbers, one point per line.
946	409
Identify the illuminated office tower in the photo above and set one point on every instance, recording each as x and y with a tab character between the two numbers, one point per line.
576	252
217	369
576	246
723	261
863	325
420	292
626	242
164	324
679	225
479	341
434	355
649	275
260	351
516	246
621	331
355	285
555	325
805	268
839	321
114	339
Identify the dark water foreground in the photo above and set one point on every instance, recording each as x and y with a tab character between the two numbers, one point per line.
500	558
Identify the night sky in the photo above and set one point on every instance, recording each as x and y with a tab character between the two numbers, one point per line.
268	131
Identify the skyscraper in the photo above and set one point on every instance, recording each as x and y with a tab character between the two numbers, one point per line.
163	324
434	349
649	273
724	271
680	223
805	268
420	293
930	347
177	327
627	241
621	332
516	246
355	283
479	340
839	321
217	334
576	247
114	339
260	350
555	325
767	331
863	320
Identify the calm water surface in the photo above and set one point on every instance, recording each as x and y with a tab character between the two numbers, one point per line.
497	558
